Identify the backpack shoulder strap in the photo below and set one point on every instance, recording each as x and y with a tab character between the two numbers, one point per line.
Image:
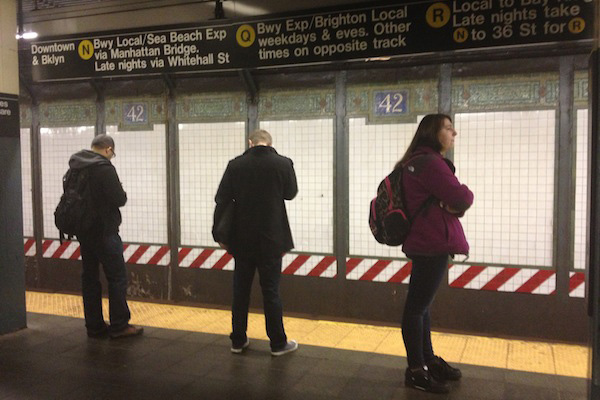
425	204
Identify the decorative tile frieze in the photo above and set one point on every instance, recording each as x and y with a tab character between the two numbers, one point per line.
25	115
294	105
581	88
357	101
505	93
212	107
132	114
395	103
59	114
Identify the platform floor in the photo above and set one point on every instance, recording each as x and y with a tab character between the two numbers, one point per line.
184	354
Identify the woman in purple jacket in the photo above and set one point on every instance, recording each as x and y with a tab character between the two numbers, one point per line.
437	199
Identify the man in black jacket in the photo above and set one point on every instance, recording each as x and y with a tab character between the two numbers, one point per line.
102	244
257	182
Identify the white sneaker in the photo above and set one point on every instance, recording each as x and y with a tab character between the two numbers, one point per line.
290	346
239	350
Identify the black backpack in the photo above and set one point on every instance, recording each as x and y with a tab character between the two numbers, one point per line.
389	219
75	213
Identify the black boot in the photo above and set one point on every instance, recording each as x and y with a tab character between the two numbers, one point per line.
421	379
442	371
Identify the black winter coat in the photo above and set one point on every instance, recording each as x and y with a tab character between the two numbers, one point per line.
107	191
258	182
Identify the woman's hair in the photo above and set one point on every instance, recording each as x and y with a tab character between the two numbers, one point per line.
426	135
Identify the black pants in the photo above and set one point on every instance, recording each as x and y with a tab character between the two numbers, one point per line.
269	272
426	276
107	250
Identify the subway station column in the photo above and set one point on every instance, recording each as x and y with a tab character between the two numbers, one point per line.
593	291
12	263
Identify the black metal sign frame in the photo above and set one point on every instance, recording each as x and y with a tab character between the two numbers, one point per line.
328	35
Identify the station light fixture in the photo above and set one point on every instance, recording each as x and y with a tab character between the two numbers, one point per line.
21	33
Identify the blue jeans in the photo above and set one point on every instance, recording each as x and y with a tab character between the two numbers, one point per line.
107	250
269	272
426	276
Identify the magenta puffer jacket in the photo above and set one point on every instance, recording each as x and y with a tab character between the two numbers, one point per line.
434	231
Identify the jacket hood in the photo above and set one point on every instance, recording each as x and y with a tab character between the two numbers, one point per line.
87	158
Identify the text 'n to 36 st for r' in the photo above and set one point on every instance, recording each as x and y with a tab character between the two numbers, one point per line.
491	20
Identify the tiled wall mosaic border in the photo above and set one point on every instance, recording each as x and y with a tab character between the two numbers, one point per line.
581	88
422	99
212	108
505	93
508	92
67	114
25	115
156	112
296	104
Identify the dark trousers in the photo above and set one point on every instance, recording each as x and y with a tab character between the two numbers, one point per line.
269	272
107	250
426	276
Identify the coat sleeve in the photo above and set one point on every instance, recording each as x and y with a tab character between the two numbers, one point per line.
223	197
439	179
291	185
112	187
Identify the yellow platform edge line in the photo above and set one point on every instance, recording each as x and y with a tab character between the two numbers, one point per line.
527	356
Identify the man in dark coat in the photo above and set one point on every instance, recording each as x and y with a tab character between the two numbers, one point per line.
102	243
257	183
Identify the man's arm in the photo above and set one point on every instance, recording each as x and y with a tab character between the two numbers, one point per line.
112	187
291	186
223	197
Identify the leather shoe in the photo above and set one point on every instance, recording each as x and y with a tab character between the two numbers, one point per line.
129	331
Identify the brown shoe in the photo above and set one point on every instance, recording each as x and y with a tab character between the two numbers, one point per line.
131	330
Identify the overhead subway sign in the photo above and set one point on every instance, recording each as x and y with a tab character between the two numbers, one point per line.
320	36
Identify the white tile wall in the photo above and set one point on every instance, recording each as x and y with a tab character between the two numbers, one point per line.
26	182
205	150
141	164
374	150
581	191
309	143
507	160
57	146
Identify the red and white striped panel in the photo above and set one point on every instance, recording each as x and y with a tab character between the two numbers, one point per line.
143	254
133	253
292	264
577	284
29	247
205	258
518	280
370	269
309	265
68	250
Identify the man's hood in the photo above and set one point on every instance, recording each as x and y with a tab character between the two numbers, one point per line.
86	158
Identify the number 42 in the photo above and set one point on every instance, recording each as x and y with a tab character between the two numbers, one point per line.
136	113
396	100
